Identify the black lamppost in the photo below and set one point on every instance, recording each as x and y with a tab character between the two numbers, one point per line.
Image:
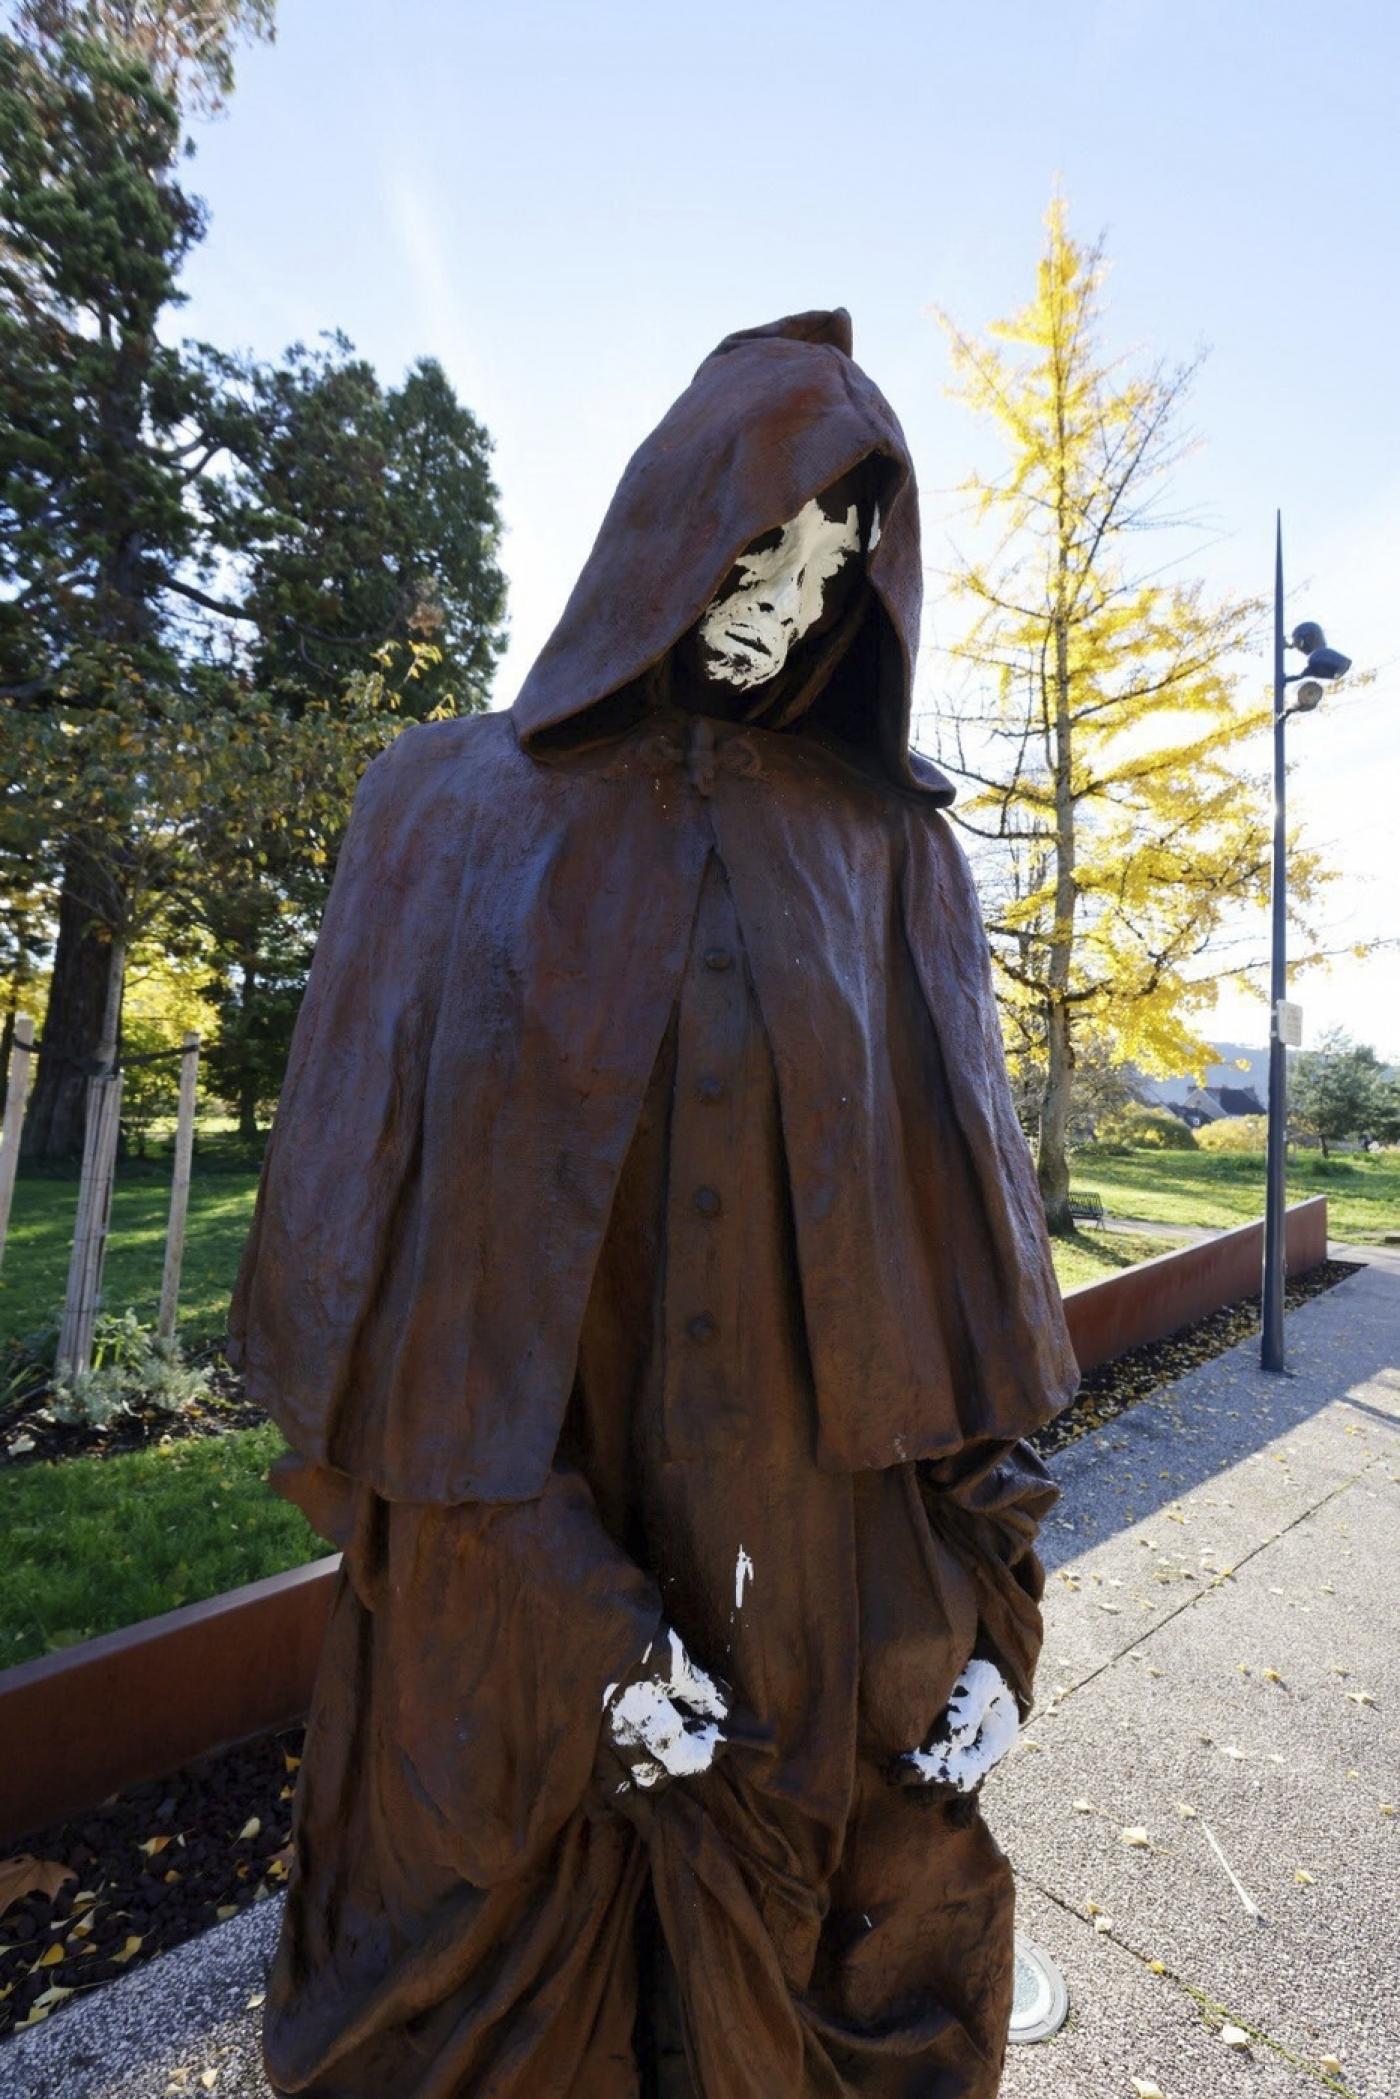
1322	663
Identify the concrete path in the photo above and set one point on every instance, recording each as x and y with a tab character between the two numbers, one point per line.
1223	1660
1223	1638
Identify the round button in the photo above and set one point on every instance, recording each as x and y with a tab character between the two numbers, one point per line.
701	1328
718	958
710	1088
707	1202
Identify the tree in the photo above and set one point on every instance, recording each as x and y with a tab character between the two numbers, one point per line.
1101	729
103	429
184	537
1338	1090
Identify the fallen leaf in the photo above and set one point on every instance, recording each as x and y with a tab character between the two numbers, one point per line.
1185	1810
1330	2064
1232	1750
1271	1676
1234	2037
292	1763
1146	2089
1136	1839
209	2078
1361	1697
153	1845
225	1911
1304	1878
24	1875
258	1998
51	1956
1103	1923
1156	1967
130	1946
1082	1807
250	1829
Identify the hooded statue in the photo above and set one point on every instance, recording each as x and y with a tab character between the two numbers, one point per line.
650	1281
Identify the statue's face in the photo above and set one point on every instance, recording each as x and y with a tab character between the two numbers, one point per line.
779	589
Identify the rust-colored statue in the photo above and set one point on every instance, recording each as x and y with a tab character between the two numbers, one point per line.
650	1281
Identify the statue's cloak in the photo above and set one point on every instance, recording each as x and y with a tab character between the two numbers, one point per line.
501	955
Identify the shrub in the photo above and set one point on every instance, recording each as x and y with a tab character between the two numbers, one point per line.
1234	1133
132	1366
1147	1129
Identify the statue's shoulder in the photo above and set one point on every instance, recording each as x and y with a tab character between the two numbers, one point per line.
435	769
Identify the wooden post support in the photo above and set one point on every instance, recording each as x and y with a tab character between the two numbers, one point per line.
104	1101
179	1187
17	1094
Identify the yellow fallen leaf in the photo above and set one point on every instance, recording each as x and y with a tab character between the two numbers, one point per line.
1136	1839
292	1763
54	1994
1082	1807
250	1829
1092	1908
1185	1810
1156	1967
1330	2064
258	1998
209	2078
226	1910
1146	2089
130	1946
51	1956
1361	1697
1271	1676
153	1845
1304	1878
1387	1807
1234	2037
1103	1923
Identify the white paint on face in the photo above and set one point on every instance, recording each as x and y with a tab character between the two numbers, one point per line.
748	632
743	1573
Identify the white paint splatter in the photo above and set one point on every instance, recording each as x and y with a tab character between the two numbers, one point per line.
980	1725
743	1573
675	1718
874	539
748	632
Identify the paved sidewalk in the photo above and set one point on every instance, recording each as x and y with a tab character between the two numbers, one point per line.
1223	1635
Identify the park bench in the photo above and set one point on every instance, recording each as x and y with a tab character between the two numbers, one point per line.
1082	1203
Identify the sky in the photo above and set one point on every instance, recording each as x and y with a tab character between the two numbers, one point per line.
569	204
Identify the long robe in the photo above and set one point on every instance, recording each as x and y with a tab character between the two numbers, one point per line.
556	1380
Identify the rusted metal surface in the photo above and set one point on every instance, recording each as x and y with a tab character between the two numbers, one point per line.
1156	1297
110	1712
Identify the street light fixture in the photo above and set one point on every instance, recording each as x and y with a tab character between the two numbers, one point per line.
1322	665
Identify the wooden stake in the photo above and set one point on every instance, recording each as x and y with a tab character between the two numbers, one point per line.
104	1100
21	1057
179	1187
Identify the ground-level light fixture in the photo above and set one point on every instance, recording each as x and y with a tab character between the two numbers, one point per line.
1040	2004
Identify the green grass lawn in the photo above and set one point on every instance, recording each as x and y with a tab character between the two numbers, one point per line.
97	1543
1088	1257
35	1273
1223	1188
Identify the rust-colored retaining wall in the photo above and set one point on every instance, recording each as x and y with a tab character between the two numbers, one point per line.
1156	1297
78	1725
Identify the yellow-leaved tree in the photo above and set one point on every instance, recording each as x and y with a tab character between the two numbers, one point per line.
1102	735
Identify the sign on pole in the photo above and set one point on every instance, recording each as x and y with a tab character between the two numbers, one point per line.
1288	1024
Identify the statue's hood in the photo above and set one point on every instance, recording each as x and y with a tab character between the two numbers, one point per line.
773	417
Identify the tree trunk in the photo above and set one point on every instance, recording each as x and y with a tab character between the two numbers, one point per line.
53	1128
1052	1157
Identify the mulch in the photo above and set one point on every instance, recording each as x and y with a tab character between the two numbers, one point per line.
29	1435
151	1867
160	1862
1114	1387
